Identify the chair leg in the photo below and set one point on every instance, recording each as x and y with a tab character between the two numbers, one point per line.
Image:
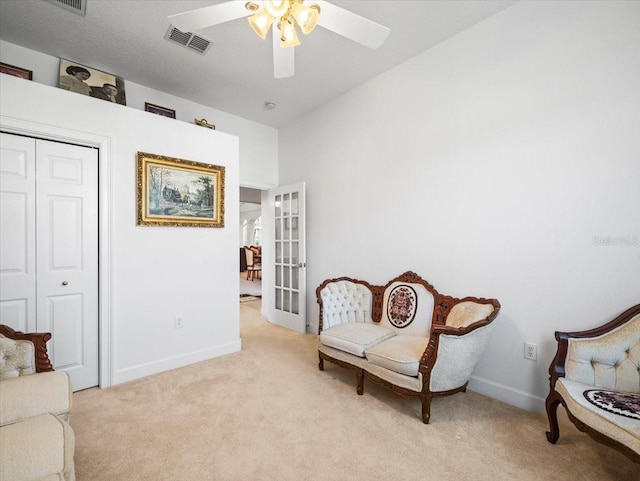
320	363
553	399
360	378
248	272
426	408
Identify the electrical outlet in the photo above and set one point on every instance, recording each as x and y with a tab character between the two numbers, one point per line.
530	351
179	322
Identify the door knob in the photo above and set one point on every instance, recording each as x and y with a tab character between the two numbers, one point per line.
64	283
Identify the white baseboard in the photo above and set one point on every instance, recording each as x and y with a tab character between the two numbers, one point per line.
155	367
509	395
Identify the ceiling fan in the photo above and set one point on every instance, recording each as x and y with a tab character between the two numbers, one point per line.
282	17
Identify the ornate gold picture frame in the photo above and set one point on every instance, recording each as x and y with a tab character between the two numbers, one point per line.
179	193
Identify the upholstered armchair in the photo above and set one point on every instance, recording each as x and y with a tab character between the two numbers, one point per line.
595	375
404	335
36	440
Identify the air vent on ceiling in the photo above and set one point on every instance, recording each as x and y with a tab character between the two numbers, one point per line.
77	6
188	39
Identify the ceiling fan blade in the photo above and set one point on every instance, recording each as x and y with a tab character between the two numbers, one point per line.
283	58
350	25
207	16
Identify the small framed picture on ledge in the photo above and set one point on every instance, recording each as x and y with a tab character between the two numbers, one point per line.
156	109
16	71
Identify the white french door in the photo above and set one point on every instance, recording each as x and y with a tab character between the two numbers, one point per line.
287	204
49	254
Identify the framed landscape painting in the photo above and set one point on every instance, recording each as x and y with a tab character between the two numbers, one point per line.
176	192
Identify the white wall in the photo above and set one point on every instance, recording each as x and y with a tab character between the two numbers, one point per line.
258	143
149	274
494	165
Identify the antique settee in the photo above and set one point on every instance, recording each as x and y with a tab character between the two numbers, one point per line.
404	335
595	374
36	440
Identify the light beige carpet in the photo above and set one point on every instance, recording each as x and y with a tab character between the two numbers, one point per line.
250	287
268	414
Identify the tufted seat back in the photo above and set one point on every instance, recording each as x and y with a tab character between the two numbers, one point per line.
17	358
610	361
345	301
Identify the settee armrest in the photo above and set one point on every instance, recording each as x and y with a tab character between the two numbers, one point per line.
452	354
456	346
28	396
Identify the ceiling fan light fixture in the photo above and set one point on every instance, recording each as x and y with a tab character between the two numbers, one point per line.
288	34
277	8
261	23
306	17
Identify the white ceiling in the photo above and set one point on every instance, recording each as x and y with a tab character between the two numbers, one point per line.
126	38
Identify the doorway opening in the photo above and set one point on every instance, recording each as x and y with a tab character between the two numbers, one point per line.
250	244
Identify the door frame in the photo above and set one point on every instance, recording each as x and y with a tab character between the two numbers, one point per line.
48	132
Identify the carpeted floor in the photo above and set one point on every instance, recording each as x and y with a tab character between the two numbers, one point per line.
267	413
248	287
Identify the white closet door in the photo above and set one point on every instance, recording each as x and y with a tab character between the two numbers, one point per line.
67	255
18	233
49	249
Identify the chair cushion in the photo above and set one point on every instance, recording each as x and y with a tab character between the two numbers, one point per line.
355	337
400	354
38	448
620	428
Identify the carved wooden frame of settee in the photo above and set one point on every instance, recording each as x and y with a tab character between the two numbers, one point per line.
557	370
39	340
442	306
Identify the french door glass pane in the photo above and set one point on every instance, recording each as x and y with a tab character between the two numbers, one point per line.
286	301
287	256
279	299
294	303
278	252
278	205
278	276
286	271
287	228
294	203
294	278
286	208
278	227
294	228
294	253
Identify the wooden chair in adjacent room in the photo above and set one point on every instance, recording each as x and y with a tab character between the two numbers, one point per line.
253	264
